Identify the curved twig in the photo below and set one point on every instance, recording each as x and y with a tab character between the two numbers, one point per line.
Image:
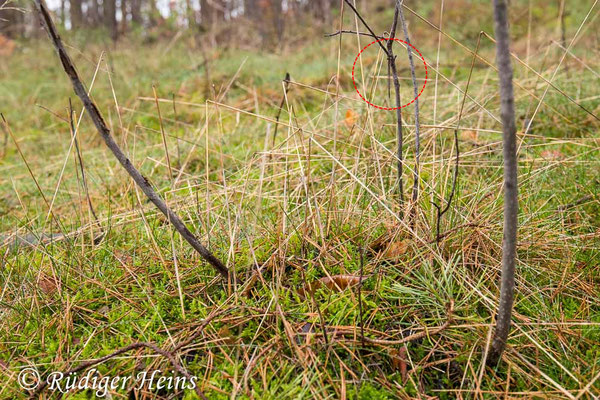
169	355
440	211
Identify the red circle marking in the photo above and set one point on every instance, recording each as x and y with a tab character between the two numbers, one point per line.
375	105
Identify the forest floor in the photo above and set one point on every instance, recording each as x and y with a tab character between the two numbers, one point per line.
306	211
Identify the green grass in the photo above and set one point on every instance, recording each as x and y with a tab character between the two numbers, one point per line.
256	204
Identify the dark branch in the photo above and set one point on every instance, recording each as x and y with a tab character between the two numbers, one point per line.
394	71
367	26
102	128
440	211
415	193
354	33
391	66
286	87
511	188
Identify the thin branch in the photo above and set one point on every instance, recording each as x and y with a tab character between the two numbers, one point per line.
354	33
168	355
415	193
391	66
102	128
440	211
511	199
576	203
366	26
286	85
394	71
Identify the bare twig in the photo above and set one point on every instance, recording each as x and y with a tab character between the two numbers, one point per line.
367	26
576	203
394	71
102	128
415	193
354	33
168	355
286	85
511	201
388	50
440	211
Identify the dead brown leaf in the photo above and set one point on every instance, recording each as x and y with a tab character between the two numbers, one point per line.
396	249
7	46
351	117
47	284
552	155
399	362
336	283
226	335
469	135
